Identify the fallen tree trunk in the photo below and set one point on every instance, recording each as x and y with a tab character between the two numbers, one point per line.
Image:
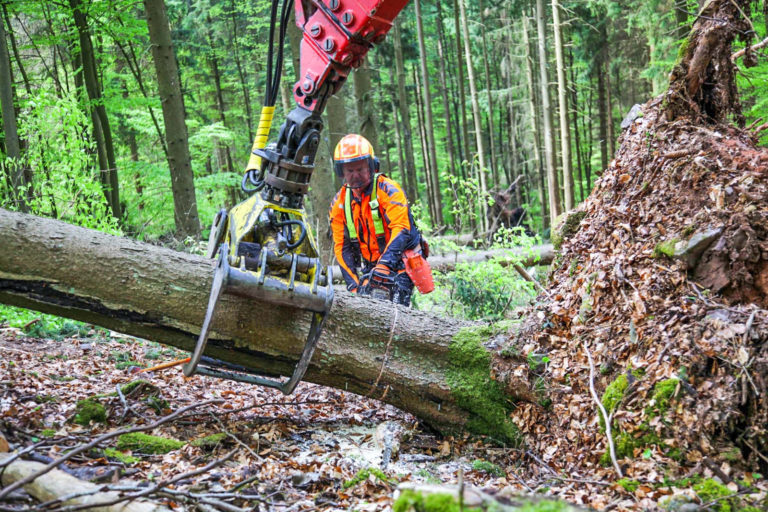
56	484
431	367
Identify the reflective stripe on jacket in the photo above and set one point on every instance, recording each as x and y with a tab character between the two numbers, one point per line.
400	232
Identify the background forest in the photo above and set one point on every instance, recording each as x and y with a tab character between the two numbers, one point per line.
535	90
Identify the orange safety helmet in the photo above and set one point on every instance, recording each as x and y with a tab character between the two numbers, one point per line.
351	148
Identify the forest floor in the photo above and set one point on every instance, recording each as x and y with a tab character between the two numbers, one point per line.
313	450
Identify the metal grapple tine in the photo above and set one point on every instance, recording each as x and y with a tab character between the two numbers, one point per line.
219	282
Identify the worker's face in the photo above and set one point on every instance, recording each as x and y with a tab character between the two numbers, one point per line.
357	174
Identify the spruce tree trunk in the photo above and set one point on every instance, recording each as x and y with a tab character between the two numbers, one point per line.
423	139
553	188
429	124
179	161
476	114
213	60
449	128
402	101
462	91
243	77
435	368
577	138
491	130
10	132
364	102
536	132
98	110
562	89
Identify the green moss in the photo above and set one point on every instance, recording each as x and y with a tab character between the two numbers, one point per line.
665	248
488	467
124	365
365	474
709	490
209	441
412	501
87	411
469	376
664	392
628	484
128	388
119	456
144	443
48	432
613	395
566	225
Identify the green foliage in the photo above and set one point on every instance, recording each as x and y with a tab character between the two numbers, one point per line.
144	443
40	325
710	490
87	411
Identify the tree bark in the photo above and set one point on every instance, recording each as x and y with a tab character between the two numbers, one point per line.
403	357
449	129
364	103
462	91
179	161
405	116
483	219
491	130
98	110
553	187
562	87
433	175
10	132
535	131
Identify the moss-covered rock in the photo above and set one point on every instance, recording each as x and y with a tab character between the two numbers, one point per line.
488	467
365	474
665	248
89	410
144	443
209	442
469	376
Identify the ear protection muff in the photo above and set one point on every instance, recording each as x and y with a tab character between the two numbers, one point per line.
376	164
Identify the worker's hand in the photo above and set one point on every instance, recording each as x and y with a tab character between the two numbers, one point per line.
364	288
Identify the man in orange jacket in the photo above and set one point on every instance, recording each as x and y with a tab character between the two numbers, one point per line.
372	224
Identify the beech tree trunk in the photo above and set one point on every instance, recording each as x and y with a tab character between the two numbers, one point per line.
565	137
161	295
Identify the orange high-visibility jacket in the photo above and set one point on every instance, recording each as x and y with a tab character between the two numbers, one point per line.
400	232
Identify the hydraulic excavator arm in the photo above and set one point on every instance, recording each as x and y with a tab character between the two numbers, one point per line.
264	245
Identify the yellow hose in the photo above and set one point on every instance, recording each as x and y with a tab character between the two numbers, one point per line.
262	133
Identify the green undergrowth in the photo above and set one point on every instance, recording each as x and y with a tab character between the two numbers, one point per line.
144	443
469	377
40	325
365	474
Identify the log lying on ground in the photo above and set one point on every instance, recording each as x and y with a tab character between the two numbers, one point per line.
538	255
435	368
57	484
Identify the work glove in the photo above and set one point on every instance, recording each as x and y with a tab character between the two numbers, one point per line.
382	276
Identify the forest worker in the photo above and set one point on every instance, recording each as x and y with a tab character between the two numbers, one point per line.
372	225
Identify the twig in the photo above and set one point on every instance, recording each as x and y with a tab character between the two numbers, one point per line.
755	47
222	505
755	450
386	352
24	481
524	273
606	417
237	439
25	451
543	464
